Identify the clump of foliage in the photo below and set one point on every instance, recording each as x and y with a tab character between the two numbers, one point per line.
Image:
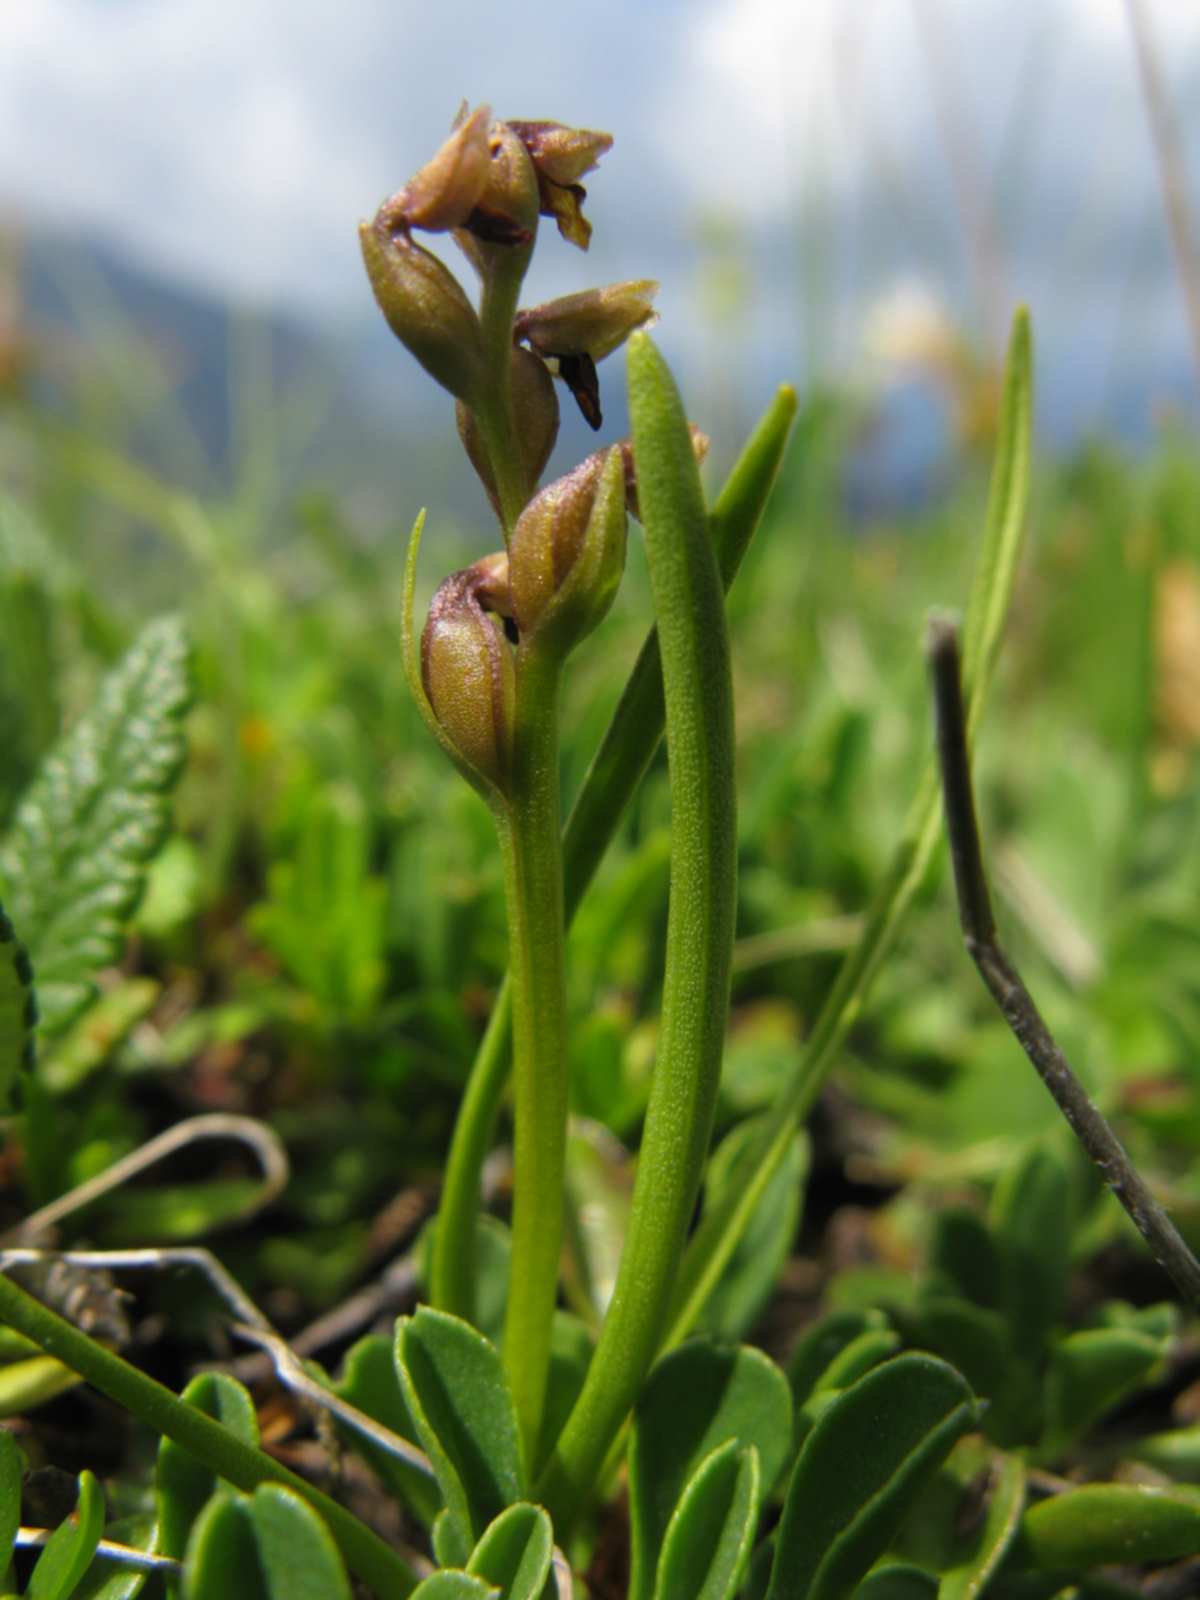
937	1431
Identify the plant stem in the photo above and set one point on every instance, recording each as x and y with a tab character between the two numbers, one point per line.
616	771
1005	985
699	717
530	836
240	1464
494	405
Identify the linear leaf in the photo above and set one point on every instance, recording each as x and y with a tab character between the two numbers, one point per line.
74	859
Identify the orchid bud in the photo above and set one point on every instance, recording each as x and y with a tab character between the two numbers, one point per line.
467	669
578	330
447	189
535	413
425	308
560	158
568	553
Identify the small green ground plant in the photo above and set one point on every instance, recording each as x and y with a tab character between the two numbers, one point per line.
910	1445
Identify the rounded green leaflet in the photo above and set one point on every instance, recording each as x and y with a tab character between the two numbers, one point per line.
455	1390
1103	1524
861	1466
897	1581
708	1540
68	1555
451	1585
697	1399
515	1552
299	1558
184	1485
222	1555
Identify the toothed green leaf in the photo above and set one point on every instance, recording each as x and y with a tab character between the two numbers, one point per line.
73	862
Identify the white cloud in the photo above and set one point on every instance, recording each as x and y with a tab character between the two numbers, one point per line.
236	143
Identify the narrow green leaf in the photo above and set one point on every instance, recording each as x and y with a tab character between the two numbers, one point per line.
708	1539
698	696
861	1466
741	1293
985	1539
69	1552
821	1343
183	1485
714	1240
1031	1220
109	1580
1103	1524
617	769
973	1339
299	1558
12	1466
1091	1372
515	1552
74	860
454	1388
222	1556
1175	1451
370	1382
30	1383
1009	495
18	1010
698	1398
963	1252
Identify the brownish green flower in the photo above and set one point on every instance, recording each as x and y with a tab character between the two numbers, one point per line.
561	156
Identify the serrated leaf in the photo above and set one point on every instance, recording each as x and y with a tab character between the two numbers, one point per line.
515	1552
183	1485
861	1466
1103	1524
68	1554
299	1558
707	1542
73	862
18	1010
456	1393
697	1398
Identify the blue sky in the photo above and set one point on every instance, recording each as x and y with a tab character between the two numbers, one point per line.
851	151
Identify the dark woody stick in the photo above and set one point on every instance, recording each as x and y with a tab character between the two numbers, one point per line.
1009	992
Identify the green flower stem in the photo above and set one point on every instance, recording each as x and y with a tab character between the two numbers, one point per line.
698	696
380	1568
530	837
615	773
714	1240
493	407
